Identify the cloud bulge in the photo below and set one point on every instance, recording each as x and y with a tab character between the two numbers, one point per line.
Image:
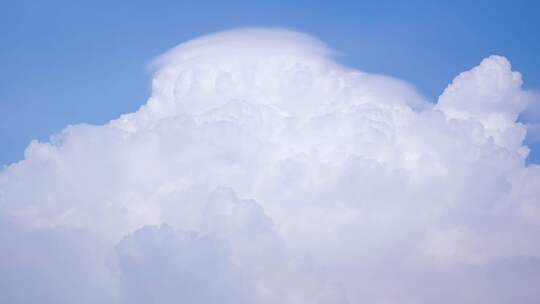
260	170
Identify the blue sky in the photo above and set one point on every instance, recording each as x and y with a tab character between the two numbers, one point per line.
66	62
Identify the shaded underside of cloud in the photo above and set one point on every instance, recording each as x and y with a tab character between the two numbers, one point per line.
262	171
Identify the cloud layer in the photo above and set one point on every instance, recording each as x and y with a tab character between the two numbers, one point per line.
262	171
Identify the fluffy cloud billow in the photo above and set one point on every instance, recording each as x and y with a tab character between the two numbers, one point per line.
262	171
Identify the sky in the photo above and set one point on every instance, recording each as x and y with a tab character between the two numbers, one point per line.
266	153
66	62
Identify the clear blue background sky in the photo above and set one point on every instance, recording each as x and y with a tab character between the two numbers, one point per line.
66	62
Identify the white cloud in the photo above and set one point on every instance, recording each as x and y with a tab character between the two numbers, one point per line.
262	171
162	265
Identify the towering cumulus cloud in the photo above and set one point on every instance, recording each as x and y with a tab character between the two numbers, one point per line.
262	171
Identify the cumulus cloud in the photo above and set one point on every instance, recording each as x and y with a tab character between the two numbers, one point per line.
262	171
